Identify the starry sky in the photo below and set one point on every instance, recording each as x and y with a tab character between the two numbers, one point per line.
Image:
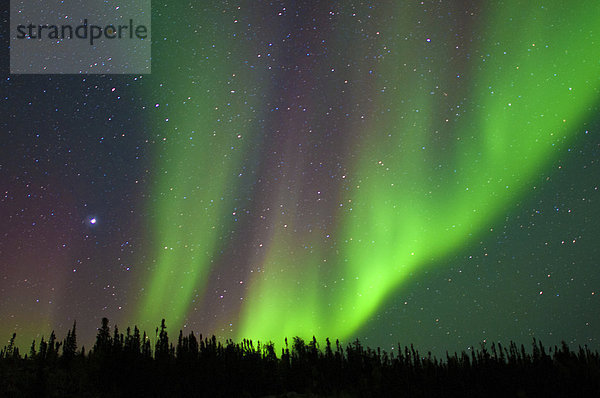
398	172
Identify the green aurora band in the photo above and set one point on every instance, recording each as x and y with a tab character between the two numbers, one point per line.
199	154
422	183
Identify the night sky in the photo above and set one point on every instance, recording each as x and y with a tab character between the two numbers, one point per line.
398	172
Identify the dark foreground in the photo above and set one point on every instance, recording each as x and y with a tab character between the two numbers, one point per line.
126	365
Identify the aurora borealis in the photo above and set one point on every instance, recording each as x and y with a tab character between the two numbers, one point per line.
395	171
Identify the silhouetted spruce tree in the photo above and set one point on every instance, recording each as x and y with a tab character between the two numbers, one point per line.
328	351
103	343
161	349
313	349
43	349
180	345
146	347
127	343
10	351
132	343
298	348
193	346
53	347
269	352
117	341
70	344
32	350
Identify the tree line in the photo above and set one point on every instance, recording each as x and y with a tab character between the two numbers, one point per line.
129	365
